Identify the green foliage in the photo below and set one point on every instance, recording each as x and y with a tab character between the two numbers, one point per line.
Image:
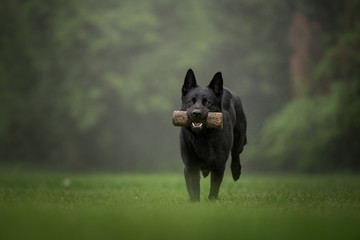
65	206
92	84
320	132
85	83
316	134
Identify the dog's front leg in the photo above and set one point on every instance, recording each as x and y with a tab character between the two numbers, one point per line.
216	179
192	178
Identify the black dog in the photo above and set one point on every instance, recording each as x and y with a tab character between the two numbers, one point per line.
208	149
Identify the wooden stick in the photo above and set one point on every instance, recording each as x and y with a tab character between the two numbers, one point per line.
213	120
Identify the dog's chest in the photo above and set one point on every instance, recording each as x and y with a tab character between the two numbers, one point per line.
206	149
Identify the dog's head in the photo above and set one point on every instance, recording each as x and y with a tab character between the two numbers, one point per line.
198	101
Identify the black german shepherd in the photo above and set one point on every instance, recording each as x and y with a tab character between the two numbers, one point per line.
204	149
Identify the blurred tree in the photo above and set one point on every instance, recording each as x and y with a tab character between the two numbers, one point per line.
78	78
304	40
320	132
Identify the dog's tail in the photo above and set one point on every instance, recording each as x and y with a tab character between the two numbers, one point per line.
235	167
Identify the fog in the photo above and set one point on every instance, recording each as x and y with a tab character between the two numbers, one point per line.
91	85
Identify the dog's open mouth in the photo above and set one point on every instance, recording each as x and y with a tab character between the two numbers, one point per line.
196	125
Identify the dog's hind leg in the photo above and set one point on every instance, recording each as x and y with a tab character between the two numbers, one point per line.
239	139
192	178
238	145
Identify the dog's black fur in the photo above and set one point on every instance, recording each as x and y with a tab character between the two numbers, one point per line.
204	149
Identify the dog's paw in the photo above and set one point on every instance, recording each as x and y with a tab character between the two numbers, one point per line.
213	198
194	199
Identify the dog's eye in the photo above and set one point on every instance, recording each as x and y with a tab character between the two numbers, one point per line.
206	102
194	100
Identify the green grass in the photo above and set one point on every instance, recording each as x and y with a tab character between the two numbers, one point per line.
156	206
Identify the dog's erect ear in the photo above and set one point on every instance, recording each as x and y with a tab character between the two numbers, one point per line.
216	84
189	82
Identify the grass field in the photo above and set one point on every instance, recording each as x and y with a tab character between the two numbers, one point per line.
156	206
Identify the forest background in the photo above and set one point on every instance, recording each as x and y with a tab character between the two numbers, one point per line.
91	85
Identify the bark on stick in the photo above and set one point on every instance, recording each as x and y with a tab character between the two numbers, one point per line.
213	120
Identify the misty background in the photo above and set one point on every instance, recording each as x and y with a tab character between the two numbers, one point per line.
91	85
